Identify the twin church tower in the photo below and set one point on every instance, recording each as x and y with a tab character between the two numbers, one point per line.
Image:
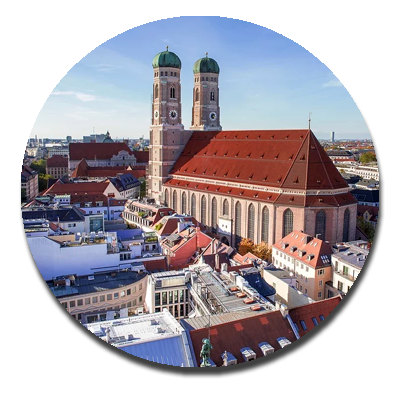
168	136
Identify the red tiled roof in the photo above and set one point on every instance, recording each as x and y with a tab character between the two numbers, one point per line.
142	157
314	310
57	161
291	159
153	265
99	151
372	210
246	332
315	247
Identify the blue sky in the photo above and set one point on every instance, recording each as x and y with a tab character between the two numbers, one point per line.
266	82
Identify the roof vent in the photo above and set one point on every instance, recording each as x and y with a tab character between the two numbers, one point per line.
283	342
266	348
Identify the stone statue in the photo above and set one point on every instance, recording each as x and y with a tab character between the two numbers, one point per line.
205	353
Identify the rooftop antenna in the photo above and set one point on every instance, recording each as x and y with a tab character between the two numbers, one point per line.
309	120
207	54
167	48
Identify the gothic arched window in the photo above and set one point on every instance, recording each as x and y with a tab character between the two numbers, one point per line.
174	202
203	210
214	213
346	225
197	95
156	92
166	197
212	96
250	218
287	222
265	224
183	202
193	206
172	94
225	208
238	222
320	224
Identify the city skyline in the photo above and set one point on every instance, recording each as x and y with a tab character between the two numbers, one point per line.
273	84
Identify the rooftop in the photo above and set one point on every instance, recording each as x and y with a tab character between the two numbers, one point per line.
94	283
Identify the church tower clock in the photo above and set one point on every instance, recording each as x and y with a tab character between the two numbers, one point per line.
167	134
205	111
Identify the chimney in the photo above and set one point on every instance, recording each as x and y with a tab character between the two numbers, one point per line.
284	310
318	236
108	337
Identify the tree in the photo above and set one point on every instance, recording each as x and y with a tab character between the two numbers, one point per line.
43	181
143	189
245	246
366	228
366	158
23	195
39	166
263	251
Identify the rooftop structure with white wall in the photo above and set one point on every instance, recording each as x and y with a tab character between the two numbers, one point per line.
154	337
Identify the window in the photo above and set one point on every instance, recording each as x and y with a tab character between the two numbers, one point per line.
109	297
197	94
164	298
305	291
346	225
140	299
157	299
170	296
94	299
212	96
340	286
314	320
264	224
303	325
225	208
181	296
175	296
65	304
203	210
193	206
116	295
128	292
102	298
172	92
174	201
320	223
87	301
122	294
319	295
183	203
321	271
287	222
251	217
321	317
72	304
345	270
214	213
166	197
238	222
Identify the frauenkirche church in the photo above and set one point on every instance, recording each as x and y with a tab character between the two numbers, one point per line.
260	184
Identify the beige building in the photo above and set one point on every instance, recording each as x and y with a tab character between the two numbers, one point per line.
89	298
29	182
57	166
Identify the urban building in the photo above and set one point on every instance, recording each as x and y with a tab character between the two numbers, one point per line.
89	298
145	214
347	262
154	337
29	183
368	214
169	290
305	318
366	197
308	259
57	166
84	171
284	177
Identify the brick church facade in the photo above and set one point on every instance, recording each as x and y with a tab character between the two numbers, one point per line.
260	184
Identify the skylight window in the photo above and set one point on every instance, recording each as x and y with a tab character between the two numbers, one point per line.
321	317
314	320
303	325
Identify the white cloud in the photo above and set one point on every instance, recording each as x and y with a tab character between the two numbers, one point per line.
333	83
80	96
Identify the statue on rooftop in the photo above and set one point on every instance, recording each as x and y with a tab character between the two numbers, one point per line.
205	353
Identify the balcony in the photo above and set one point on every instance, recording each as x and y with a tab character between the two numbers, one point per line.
349	277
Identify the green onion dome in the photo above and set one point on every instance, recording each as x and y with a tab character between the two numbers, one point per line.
166	59
206	64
